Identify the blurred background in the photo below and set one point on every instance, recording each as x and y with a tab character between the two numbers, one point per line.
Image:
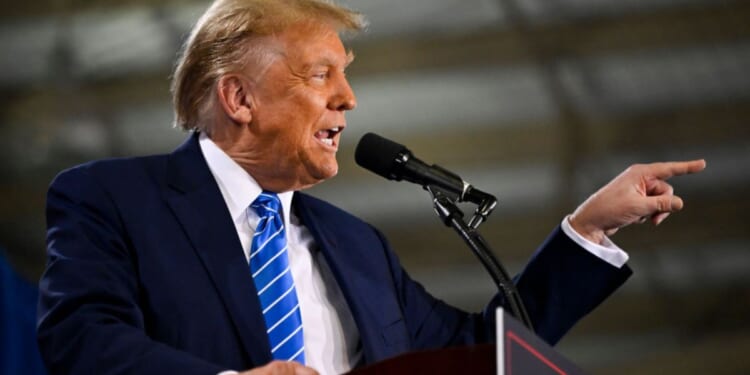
538	102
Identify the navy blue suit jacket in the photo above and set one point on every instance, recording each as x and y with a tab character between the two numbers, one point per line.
146	275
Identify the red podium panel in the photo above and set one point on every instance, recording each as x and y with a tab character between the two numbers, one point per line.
520	352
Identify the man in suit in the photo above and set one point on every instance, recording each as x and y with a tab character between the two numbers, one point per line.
153	262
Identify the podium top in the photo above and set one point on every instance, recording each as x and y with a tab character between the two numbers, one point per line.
521	352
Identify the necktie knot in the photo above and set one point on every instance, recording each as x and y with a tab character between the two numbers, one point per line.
267	203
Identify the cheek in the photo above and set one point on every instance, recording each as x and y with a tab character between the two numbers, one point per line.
296	118
310	103
309	119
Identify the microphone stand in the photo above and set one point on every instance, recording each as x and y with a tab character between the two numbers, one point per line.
452	216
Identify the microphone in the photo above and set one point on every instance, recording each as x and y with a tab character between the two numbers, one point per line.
395	162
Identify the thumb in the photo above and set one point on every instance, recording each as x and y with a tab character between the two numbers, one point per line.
664	203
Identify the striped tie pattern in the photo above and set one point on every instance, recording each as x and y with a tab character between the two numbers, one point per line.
269	265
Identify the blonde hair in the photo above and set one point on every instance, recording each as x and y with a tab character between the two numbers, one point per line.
221	42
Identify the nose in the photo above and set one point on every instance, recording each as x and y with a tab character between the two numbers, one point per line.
344	99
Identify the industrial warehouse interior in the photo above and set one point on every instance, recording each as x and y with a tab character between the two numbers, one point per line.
538	102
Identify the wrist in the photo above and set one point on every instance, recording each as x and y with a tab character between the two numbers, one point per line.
587	231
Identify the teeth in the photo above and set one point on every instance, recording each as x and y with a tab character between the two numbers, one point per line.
327	141
336	129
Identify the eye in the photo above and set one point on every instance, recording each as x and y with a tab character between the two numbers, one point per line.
320	75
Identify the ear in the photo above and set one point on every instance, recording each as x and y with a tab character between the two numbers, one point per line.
233	92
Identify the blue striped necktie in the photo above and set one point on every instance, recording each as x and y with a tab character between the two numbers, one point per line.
269	265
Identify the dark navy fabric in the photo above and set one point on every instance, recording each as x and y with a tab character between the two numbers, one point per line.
18	349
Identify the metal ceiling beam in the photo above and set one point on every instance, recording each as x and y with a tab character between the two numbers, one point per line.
706	24
720	23
58	8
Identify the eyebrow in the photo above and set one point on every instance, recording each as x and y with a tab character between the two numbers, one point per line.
327	61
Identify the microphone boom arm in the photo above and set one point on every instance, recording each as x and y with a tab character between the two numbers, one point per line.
452	216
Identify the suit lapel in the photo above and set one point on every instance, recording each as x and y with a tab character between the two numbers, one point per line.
364	301
196	201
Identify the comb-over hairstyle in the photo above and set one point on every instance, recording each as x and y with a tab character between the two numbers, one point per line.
222	42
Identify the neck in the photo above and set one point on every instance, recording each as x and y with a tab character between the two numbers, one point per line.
240	147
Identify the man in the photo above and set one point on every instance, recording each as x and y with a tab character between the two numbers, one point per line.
154	262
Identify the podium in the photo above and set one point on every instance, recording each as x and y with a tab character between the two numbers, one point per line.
517	352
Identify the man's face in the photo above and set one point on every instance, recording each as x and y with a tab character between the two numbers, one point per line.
299	106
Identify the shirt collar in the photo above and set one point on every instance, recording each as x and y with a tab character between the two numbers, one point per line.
238	188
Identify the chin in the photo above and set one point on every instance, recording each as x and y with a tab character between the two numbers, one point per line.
328	173
328	170
320	173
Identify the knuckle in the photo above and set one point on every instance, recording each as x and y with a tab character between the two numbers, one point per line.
662	205
634	168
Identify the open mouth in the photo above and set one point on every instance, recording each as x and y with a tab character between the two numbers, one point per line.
326	136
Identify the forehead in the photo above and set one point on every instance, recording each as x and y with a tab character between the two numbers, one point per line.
314	44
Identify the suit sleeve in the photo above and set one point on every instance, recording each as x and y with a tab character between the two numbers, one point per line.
89	319
561	283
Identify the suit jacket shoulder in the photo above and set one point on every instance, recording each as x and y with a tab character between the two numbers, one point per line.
136	248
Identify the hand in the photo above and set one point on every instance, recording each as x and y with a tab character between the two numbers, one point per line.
281	368
638	194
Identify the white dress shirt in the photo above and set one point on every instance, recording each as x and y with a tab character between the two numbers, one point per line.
330	334
606	251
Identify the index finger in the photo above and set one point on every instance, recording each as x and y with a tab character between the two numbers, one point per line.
676	168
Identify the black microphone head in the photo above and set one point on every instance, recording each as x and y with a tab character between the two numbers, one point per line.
379	155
